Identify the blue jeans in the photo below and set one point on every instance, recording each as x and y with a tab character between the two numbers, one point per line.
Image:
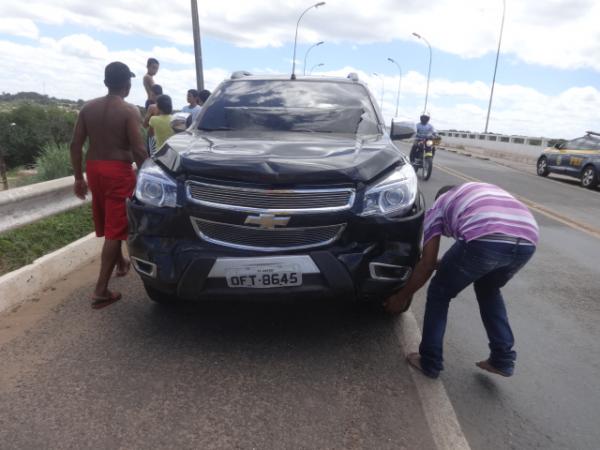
489	266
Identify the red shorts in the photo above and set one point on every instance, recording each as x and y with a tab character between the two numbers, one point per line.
111	183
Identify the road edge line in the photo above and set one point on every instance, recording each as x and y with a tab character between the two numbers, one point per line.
439	412
22	284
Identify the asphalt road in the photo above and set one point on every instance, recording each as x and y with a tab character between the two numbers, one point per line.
553	400
247	376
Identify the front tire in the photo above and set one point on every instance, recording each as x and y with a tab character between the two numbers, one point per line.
542	167
589	177
159	297
427	168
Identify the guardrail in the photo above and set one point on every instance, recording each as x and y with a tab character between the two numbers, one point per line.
20	206
522	148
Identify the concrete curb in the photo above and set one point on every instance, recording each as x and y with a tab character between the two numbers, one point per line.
21	284
439	412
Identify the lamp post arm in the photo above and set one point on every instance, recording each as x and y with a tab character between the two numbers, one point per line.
306	55
428	74
487	120
296	40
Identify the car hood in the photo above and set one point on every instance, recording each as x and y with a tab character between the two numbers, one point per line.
280	158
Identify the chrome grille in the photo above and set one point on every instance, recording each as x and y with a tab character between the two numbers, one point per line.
259	200
266	240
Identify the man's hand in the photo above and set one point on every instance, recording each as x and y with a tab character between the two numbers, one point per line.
80	188
397	303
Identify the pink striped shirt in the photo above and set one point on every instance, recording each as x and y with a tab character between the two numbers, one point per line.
474	210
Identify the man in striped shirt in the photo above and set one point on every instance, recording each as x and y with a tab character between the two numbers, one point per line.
495	237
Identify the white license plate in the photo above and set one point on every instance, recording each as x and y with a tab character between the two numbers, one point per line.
262	276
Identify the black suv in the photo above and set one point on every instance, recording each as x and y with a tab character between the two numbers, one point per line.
280	188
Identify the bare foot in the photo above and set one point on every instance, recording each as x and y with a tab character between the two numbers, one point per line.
123	267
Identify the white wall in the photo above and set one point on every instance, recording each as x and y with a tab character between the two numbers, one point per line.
523	147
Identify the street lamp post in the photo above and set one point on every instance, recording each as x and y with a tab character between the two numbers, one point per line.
487	120
399	82
316	5
428	71
197	46
382	87
307	52
314	67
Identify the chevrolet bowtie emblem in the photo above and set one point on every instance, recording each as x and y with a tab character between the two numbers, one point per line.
269	221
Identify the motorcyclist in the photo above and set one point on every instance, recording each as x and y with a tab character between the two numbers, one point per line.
424	131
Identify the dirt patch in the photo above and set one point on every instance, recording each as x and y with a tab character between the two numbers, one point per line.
21	318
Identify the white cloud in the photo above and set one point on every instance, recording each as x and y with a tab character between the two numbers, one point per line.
557	33
463	105
78	45
19	27
63	74
72	66
460	105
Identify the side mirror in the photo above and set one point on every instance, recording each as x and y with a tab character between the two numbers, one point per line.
402	130
179	121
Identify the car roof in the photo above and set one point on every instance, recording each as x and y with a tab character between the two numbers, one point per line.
278	77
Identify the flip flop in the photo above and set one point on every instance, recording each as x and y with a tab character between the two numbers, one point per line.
101	302
487	366
121	272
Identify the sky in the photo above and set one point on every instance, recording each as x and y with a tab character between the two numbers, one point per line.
547	84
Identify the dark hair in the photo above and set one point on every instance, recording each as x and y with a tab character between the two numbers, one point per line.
165	104
203	95
117	75
152	61
157	89
193	92
444	189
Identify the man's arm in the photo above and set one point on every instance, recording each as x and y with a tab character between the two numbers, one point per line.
152	111
423	271
77	141
134	134
148	82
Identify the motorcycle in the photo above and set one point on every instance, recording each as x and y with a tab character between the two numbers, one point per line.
423	157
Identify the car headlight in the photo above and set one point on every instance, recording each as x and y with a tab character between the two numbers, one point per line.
395	195
154	187
429	143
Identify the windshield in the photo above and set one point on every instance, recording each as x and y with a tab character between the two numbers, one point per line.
299	106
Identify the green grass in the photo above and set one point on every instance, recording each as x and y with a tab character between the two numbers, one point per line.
22	246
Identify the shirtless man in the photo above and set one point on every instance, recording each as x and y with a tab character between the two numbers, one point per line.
152	64
113	129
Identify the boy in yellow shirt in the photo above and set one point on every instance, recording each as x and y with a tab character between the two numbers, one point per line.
161	124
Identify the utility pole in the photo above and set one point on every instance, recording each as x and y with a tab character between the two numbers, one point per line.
197	46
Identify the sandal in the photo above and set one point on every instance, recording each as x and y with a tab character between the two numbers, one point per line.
101	302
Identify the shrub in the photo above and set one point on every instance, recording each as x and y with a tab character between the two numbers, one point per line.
36	126
53	162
